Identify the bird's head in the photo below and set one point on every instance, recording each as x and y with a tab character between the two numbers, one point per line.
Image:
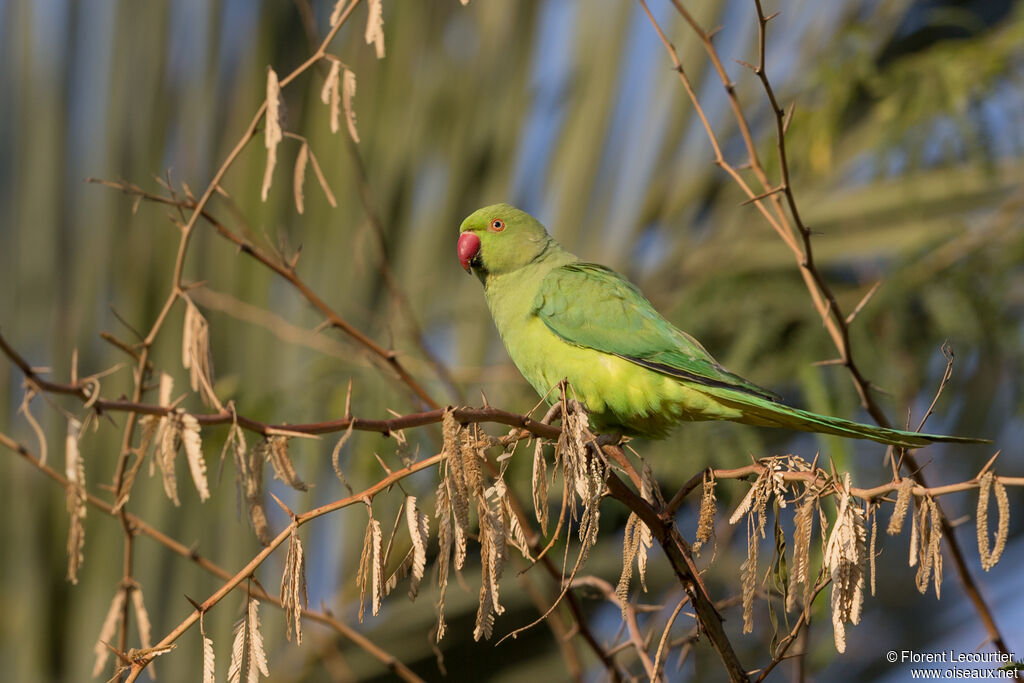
500	239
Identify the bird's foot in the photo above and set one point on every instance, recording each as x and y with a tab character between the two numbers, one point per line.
613	439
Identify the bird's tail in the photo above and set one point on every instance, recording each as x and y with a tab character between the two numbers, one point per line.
762	412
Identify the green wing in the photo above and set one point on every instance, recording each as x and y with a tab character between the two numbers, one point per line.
592	306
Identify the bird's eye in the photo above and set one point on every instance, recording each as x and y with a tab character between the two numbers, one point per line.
497	225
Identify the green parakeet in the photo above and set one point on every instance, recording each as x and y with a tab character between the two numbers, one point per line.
633	370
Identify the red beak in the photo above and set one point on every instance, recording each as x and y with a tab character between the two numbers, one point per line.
468	248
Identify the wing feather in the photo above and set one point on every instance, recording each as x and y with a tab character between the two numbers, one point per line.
594	307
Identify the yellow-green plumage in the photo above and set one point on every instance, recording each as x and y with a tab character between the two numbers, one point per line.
634	371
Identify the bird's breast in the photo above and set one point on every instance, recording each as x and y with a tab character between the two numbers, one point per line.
619	394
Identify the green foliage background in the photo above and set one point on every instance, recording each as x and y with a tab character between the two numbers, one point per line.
906	148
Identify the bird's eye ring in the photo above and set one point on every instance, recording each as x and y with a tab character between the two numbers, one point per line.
497	225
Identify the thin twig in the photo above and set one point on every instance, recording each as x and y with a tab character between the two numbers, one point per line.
785	643
659	659
629	609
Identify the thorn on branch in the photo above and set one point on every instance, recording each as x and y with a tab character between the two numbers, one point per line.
863	302
765	195
788	118
348	400
755	69
991	461
127	324
117	653
384	466
287	510
198	607
294	260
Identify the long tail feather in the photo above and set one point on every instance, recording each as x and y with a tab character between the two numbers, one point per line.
769	414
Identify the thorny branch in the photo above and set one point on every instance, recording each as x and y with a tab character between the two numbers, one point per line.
297	521
286	271
386	426
468	415
138	526
175	293
836	323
